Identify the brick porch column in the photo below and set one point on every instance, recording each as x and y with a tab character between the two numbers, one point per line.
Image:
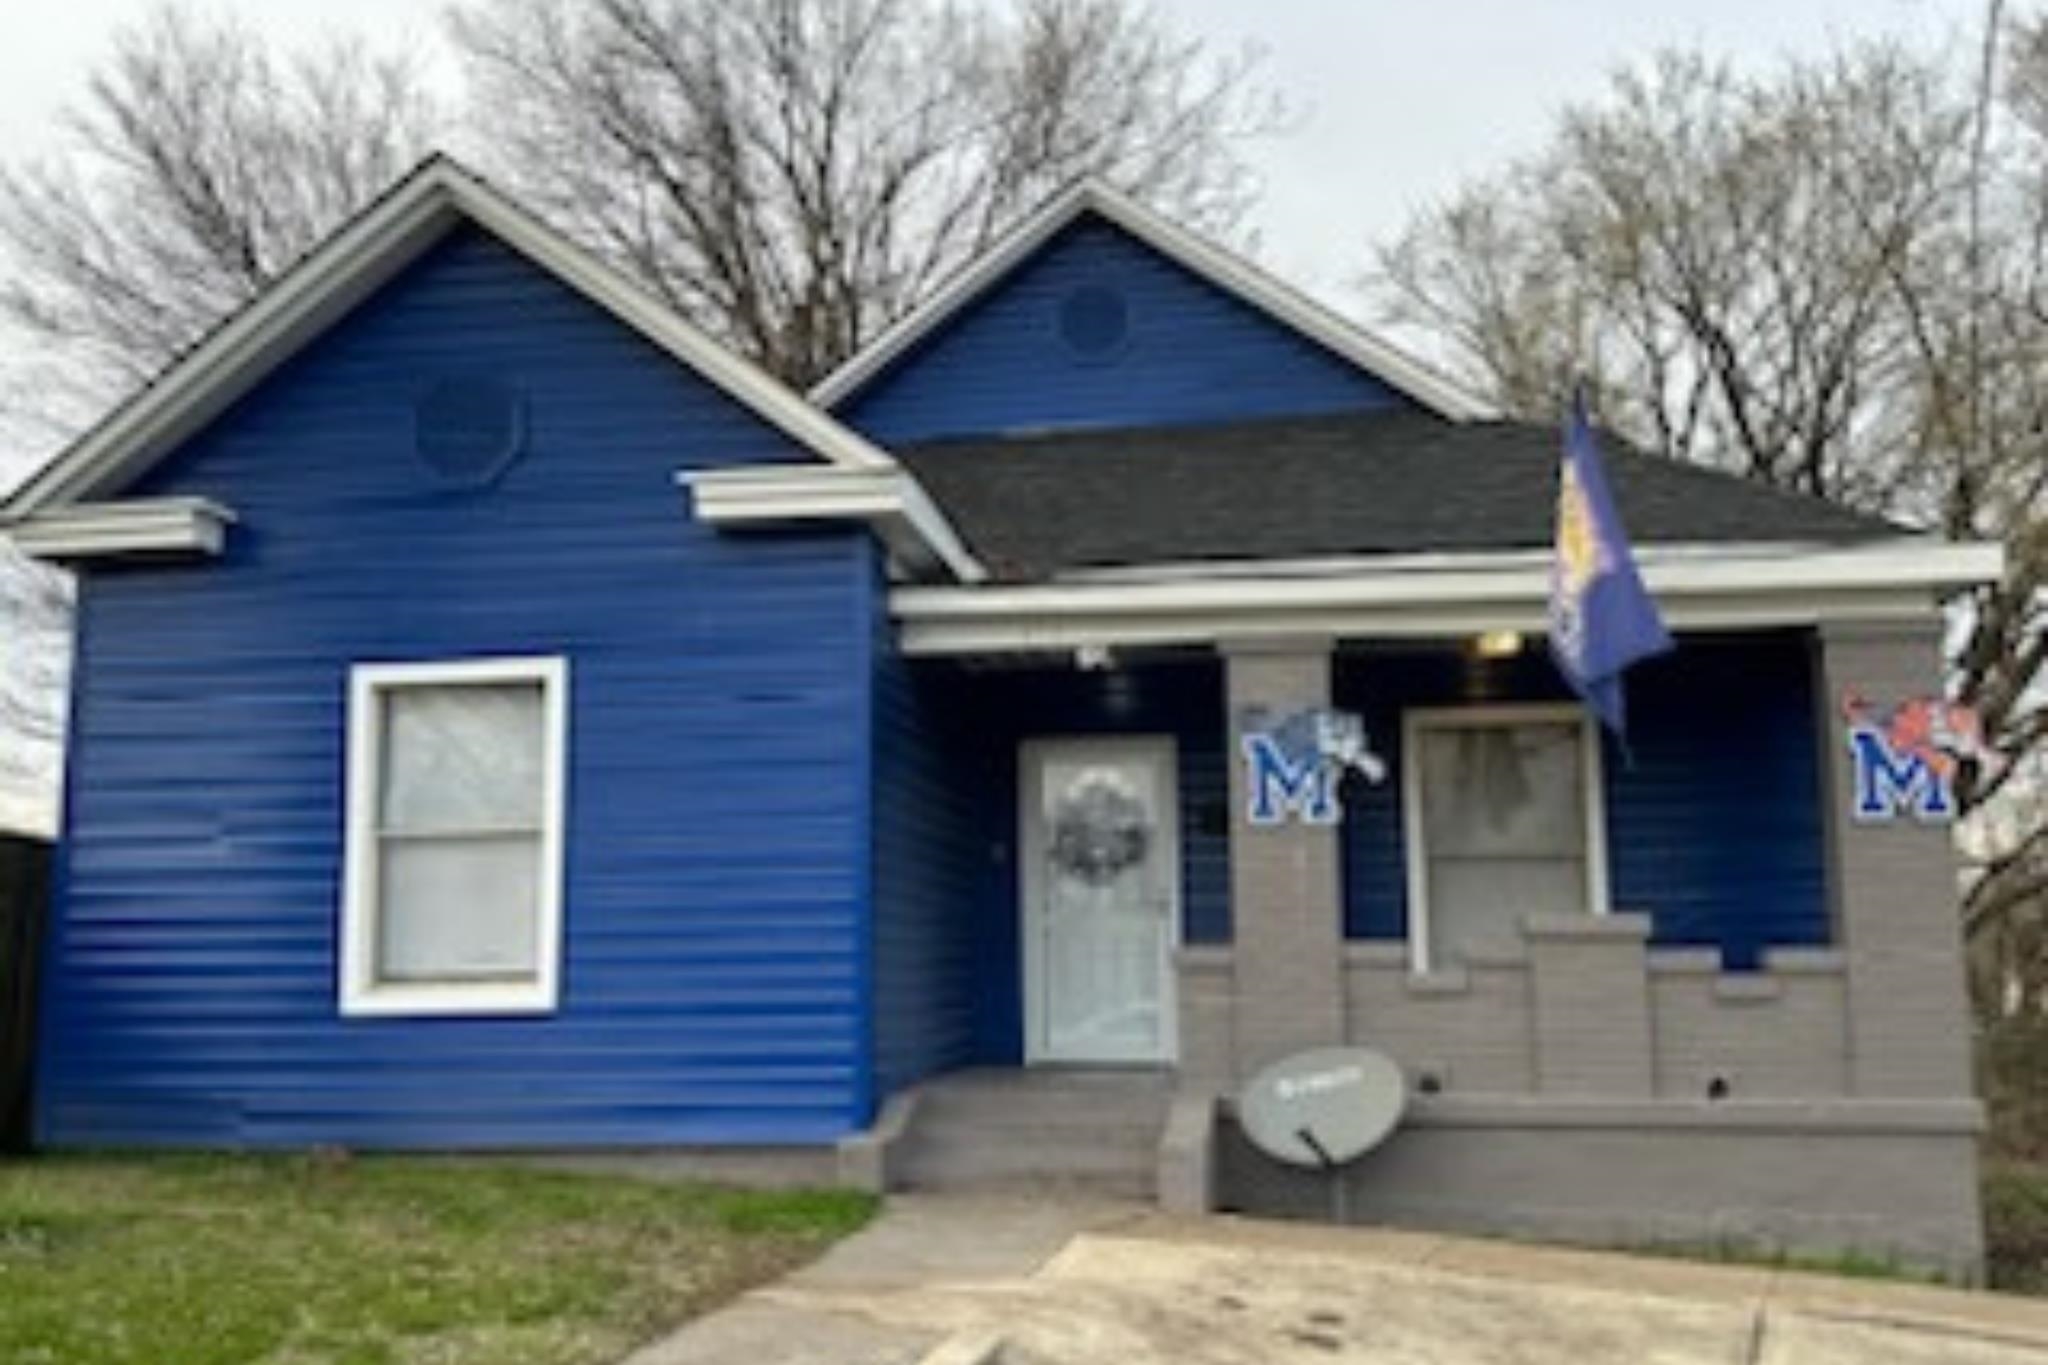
1893	885
1285	880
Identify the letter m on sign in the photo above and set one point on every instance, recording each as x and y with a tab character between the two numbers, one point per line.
1283	783
1889	781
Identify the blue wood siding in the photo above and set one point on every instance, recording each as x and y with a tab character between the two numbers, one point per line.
1194	354
1714	819
715	959
931	857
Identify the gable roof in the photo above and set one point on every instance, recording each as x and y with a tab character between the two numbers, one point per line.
1355	484
361	256
1222	268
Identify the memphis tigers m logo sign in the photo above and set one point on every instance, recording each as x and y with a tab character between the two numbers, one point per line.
1904	758
1286	780
1292	764
1891	780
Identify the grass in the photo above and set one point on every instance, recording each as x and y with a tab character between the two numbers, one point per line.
207	1260
1848	1264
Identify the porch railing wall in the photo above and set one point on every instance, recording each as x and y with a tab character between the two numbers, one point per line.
1592	1013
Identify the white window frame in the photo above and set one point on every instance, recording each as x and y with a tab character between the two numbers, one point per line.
1416	721
360	990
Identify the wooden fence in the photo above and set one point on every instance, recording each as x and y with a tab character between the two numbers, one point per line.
24	909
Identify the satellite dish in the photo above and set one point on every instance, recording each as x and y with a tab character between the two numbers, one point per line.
1324	1107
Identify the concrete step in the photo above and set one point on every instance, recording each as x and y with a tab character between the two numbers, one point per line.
1049	1136
1094	1132
1071	1079
1051	1112
950	1162
1058	1097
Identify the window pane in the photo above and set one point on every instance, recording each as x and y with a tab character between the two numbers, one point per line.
1503	830
459	909
1502	791
463	757
1480	903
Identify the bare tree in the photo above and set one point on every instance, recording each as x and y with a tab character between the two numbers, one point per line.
35	622
1829	278
796	174
197	168
1714	251
1981	343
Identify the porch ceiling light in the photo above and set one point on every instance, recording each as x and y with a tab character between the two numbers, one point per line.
1497	644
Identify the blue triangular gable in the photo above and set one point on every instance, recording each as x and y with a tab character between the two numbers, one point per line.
469	306
1099	329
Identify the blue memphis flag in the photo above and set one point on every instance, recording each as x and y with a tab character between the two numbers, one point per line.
1601	616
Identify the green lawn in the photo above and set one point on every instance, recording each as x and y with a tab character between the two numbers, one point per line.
205	1260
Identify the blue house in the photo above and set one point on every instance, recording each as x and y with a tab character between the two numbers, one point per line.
505	719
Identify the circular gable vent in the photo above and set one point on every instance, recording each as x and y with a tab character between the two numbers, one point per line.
468	429
1095	321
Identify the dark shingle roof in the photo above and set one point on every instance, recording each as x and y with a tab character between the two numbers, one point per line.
1354	484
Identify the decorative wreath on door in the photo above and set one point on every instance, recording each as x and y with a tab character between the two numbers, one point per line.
1099	829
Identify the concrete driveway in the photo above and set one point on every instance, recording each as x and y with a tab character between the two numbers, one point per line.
982	1281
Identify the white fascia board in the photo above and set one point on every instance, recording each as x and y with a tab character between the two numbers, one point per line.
1433	596
148	526
1220	267
889	500
923	636
1917	560
348	267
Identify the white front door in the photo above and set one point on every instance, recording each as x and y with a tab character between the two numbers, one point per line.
1101	898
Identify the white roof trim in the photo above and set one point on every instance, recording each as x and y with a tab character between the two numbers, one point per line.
190	526
347	267
1225	269
1906	557
1436	596
889	500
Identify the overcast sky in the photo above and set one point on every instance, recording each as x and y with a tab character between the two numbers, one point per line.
1399	99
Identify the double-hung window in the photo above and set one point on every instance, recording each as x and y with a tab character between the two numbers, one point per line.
453	883
1504	819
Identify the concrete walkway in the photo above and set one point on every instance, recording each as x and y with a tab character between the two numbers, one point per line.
859	1304
976	1281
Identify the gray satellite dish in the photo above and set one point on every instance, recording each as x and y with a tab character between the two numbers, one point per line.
1324	1107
